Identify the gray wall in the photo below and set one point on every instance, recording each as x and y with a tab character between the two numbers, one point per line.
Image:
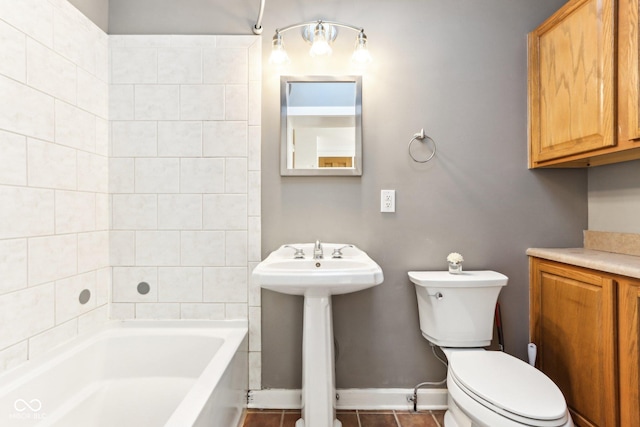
96	10
456	68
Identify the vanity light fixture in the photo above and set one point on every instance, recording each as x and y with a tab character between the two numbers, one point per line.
320	35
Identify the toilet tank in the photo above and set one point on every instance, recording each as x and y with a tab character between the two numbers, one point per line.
457	310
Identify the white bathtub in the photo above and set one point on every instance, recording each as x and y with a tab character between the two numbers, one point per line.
134	373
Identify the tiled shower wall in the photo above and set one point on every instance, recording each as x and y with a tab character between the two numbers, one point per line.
53	176
185	179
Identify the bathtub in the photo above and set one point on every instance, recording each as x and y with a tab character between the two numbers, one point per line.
134	373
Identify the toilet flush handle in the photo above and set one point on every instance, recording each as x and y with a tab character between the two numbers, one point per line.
437	295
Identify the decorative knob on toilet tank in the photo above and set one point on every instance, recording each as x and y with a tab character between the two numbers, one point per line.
455	262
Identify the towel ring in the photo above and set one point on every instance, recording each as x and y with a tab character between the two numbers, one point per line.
421	136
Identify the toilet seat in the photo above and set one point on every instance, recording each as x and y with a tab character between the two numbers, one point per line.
509	387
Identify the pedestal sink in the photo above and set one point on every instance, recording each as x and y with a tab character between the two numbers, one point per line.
342	269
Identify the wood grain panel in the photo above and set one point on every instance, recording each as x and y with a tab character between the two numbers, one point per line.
629	351
573	327
571	81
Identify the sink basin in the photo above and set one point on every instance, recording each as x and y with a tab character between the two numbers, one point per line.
281	272
317	280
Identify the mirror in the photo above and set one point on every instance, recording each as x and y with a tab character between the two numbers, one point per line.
321	125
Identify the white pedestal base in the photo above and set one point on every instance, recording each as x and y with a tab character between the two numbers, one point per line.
318	372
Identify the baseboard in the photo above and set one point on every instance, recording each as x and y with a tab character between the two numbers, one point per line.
366	398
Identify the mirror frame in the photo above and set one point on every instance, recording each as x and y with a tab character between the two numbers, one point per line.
357	166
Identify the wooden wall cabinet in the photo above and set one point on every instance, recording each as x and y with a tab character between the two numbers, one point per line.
585	324
583	99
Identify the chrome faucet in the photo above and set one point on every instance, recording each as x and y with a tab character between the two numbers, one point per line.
317	250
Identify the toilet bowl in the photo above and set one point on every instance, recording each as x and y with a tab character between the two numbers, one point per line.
485	388
491	388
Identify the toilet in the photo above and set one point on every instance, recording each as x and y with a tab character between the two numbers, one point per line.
485	388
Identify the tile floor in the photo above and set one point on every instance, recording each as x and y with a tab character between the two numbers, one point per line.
286	418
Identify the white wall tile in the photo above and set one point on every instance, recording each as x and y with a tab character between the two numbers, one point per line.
75	36
26	212
236	248
134	139
225	139
93	251
102	60
180	65
237	41
75	127
202	248
255	337
75	212
235	311
255	61
180	139
235	177
134	65
103	211
52	258
13	265
158	175
255	369
52	338
126	280
50	72
225	211
25	313
34	17
254	193
102	136
157	311
93	172
180	284
51	165
207	311
225	284
122	311
30	111
13	162
122	245
157	102
155	248
254	144
185	40
93	319
180	211
255	103
121	102
103	286
201	102
235	102
144	40
12	356
68	291
121	176
93	94
201	175
254	239
226	66
135	211
255	291
12	52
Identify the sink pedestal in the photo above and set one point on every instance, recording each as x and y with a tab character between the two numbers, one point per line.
318	372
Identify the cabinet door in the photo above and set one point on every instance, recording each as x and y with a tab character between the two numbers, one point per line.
574	328
629	71
571	81
628	351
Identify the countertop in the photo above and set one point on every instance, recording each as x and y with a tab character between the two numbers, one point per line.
624	265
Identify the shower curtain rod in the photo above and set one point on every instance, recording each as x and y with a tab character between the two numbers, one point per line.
257	29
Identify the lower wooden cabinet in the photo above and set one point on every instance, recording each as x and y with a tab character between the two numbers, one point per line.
585	324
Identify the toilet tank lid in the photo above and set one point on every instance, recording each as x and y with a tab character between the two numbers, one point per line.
475	279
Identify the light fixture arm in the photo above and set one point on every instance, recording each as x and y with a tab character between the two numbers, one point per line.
319	21
257	28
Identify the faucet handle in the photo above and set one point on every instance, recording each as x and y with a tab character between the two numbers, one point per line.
337	253
299	252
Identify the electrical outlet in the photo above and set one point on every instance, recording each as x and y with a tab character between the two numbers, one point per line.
387	200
